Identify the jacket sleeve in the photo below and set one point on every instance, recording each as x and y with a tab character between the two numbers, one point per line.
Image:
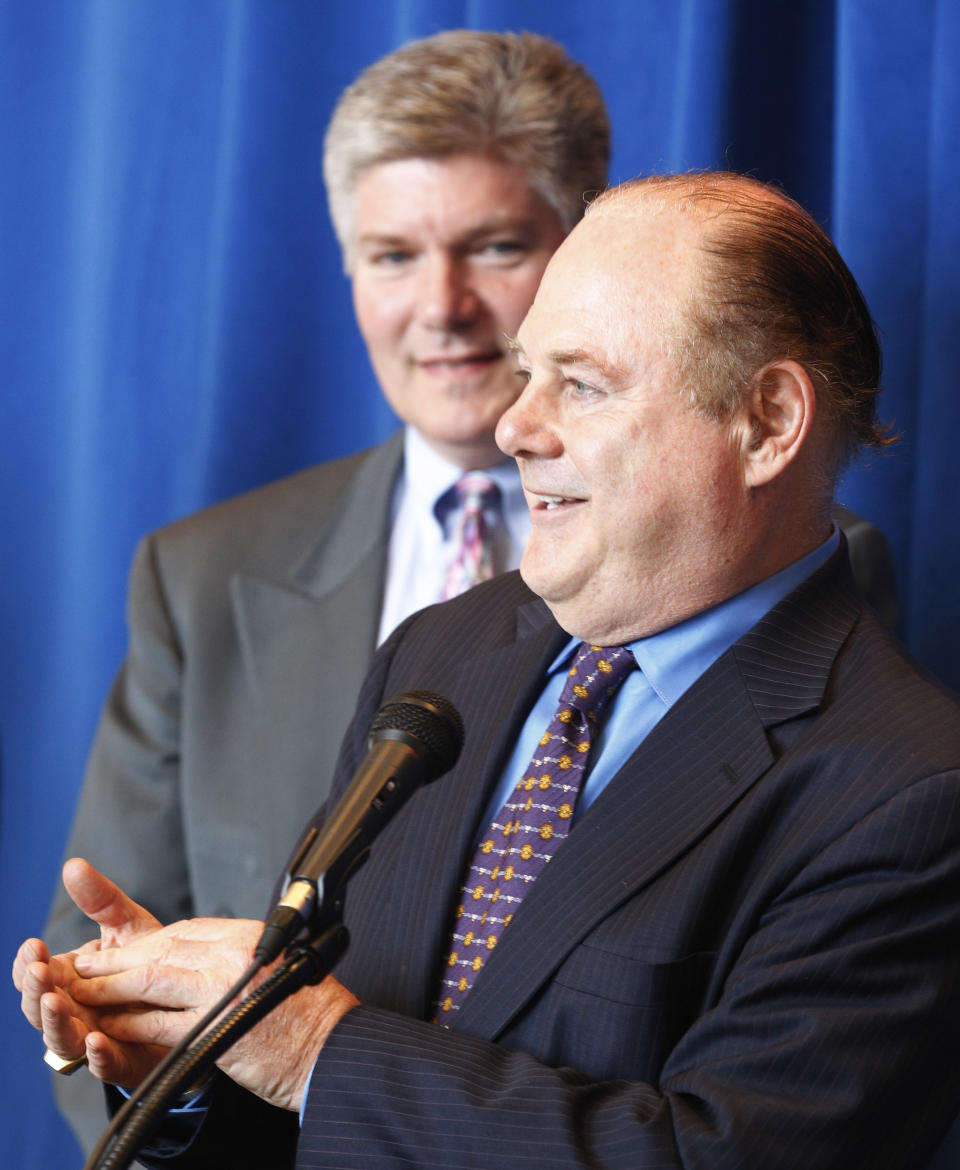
128	820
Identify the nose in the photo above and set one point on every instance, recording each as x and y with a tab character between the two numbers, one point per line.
529	427
447	297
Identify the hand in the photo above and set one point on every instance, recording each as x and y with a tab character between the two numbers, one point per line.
69	1028
154	990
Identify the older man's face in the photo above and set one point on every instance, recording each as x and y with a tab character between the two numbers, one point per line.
447	257
637	504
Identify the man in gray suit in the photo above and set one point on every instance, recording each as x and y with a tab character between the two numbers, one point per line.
454	167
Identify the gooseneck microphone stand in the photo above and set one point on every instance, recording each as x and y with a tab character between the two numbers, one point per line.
134	1125
414	738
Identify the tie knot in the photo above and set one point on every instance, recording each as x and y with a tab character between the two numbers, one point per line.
476	491
595	675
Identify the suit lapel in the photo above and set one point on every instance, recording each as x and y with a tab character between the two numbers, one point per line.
325	607
709	749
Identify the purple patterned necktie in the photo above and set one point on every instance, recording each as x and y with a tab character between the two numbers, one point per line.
533	822
473	560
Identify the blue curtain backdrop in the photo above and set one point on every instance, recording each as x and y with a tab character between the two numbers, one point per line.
175	327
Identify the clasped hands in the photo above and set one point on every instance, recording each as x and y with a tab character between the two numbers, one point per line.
125	998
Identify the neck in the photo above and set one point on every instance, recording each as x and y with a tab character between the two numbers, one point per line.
476	456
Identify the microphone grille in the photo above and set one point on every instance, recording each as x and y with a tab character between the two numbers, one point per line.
430	718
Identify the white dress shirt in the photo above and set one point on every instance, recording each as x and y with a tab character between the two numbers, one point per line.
421	549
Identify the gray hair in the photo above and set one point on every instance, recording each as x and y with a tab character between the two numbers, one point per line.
515	97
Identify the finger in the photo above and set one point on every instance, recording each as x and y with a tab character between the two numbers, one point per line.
62	970
161	948
199	944
180	945
41	978
102	900
33	950
158	986
63	1033
36	982
153	1027
118	1063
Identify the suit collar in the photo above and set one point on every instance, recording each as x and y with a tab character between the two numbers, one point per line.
787	657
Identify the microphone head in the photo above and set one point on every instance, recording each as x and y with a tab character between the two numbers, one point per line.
429	722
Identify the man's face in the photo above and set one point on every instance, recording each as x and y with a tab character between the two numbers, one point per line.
447	257
637	504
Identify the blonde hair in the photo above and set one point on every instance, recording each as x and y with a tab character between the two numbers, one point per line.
515	97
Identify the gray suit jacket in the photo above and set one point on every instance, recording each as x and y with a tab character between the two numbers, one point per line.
251	626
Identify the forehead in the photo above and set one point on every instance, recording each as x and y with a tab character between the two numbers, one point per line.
447	193
619	280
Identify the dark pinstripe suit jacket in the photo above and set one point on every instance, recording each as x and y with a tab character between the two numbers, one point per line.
746	954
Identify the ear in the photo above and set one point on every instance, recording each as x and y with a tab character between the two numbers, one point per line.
778	413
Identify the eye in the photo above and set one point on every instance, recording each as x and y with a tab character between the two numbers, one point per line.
500	251
581	389
523	375
392	258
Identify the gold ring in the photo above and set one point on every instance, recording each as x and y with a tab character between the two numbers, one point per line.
60	1065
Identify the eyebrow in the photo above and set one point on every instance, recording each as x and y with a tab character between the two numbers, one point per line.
570	357
496	223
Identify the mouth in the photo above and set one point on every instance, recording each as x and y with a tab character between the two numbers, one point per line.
545	503
460	363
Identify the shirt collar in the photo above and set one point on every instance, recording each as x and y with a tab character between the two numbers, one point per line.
426	476
673	659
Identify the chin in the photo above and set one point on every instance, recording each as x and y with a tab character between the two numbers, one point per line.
576	612
573	620
557	600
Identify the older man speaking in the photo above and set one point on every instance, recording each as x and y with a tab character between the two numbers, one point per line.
691	895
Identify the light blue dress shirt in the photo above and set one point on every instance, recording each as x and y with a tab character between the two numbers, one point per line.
670	663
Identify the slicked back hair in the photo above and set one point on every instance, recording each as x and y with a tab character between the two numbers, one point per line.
773	286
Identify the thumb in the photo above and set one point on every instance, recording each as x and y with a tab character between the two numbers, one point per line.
119	917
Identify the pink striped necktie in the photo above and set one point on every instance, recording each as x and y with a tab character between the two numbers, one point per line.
472	536
533	823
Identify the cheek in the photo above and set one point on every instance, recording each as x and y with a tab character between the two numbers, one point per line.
381	316
509	297
636	491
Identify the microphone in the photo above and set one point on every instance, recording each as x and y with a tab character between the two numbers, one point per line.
414	738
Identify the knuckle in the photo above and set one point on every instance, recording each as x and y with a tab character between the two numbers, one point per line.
148	980
154	1026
